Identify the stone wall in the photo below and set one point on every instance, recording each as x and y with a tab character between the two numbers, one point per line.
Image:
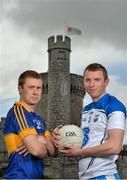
3	151
122	163
42	107
62	167
77	94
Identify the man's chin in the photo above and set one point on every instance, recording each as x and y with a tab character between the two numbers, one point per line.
33	103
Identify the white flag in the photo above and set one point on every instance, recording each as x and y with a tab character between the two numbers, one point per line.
73	31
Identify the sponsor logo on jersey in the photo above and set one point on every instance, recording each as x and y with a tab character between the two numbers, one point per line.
37	123
96	118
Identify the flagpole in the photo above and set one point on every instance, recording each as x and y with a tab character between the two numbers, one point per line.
64	29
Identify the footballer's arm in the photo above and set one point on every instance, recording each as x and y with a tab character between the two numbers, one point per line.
35	145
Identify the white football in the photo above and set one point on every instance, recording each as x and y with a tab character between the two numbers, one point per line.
71	134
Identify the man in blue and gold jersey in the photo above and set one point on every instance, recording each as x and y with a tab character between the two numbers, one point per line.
23	128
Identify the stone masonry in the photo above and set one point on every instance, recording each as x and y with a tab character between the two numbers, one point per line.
62	101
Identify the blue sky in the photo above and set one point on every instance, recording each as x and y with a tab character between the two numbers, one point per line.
25	26
5	105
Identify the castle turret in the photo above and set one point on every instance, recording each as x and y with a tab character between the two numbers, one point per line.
59	81
61	102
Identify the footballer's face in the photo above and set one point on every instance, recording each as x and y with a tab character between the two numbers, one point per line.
95	84
30	92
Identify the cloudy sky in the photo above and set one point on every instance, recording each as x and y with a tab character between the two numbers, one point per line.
25	26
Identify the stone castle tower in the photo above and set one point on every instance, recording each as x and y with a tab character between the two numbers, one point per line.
63	92
59	81
61	102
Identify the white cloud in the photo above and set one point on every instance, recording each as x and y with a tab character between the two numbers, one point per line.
97	51
118	89
18	53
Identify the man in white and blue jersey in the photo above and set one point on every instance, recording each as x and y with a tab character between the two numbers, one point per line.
103	124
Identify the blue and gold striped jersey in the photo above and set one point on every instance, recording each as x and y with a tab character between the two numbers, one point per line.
19	123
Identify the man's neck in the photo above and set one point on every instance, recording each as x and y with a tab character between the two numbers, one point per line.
96	99
28	106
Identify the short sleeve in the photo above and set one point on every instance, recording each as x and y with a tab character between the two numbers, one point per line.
24	123
116	120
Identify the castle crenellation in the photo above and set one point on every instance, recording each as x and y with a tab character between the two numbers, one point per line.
60	42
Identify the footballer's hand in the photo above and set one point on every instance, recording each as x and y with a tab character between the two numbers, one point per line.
70	151
56	136
22	149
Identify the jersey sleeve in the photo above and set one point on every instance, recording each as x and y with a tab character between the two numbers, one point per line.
116	120
24	125
117	116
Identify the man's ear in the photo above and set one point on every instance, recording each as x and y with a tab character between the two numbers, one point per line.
106	82
20	89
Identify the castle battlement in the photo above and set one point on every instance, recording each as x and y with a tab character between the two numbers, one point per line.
45	88
77	90
60	42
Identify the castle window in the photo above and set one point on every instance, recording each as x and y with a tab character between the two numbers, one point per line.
62	55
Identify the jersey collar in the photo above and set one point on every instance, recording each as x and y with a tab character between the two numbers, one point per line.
22	104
